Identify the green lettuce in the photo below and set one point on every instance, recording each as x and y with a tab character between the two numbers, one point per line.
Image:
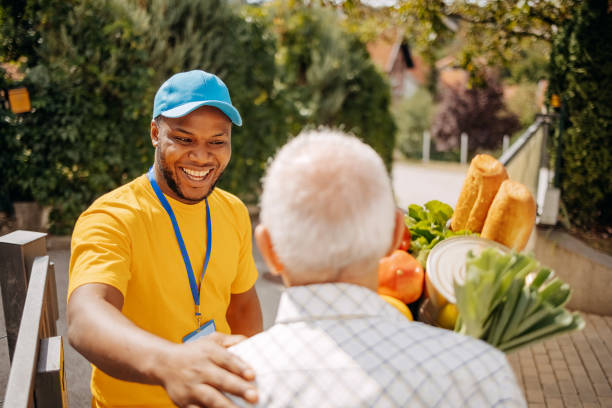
428	225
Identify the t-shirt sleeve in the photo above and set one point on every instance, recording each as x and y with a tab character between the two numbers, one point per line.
100	251
247	271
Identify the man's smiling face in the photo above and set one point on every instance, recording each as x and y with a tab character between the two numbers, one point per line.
191	153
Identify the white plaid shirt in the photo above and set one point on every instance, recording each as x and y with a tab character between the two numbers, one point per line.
341	345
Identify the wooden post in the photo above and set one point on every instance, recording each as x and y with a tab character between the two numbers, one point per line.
17	252
50	389
19	389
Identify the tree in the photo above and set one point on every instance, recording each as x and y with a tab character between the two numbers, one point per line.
478	111
95	66
216	37
327	77
21	22
413	117
87	132
581	73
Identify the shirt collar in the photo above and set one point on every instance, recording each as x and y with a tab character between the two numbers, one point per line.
331	300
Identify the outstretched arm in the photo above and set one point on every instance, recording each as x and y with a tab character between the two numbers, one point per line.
193	374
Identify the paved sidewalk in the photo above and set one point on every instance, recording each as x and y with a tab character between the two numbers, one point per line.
572	370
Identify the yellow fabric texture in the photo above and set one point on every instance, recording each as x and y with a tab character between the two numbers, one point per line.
126	240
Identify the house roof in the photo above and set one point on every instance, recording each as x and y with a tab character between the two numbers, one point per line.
384	49
390	45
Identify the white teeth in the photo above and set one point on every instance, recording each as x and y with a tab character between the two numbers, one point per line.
198	174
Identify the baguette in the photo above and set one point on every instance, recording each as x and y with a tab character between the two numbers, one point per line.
511	216
483	179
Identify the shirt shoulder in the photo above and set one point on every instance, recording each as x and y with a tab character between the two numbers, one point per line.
230	207
227	199
103	237
122	205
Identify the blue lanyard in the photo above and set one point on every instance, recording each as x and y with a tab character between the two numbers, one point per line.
179	238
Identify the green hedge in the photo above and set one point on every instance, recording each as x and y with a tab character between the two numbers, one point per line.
214	36
328	79
98	64
87	132
581	73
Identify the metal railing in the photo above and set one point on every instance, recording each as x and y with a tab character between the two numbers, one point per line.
29	297
526	161
525	156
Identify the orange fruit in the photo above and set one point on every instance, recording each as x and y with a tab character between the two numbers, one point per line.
401	276
396	303
448	316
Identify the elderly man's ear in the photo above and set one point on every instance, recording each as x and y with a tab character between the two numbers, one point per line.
398	231
264	243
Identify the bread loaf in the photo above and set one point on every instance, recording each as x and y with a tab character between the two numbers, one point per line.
482	181
511	216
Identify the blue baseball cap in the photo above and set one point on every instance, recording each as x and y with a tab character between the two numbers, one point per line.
187	91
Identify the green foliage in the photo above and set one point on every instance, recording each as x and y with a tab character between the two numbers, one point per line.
11	150
94	66
523	102
413	117
328	79
20	23
214	37
428	226
88	130
581	72
529	65
494	32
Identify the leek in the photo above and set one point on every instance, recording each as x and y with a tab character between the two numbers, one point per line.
510	301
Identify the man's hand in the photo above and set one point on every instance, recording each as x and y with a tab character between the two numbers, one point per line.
195	374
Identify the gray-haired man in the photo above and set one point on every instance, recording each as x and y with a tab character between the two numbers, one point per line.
327	217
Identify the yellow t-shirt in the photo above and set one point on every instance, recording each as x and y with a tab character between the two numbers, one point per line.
125	239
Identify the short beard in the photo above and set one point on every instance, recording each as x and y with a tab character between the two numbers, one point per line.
171	181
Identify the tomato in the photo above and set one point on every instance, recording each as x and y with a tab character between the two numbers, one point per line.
405	242
401	276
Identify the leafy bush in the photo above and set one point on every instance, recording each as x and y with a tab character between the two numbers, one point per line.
413	117
327	78
96	66
523	102
530	65
213	36
581	72
11	150
480	112
88	129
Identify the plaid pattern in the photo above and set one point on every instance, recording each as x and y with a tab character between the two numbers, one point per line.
341	345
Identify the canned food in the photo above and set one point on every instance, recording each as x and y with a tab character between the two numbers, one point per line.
446	265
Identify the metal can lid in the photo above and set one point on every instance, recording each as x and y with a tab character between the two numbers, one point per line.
446	261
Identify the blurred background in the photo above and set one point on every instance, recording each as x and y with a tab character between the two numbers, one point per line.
412	78
427	83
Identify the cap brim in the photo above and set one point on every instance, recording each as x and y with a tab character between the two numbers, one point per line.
229	110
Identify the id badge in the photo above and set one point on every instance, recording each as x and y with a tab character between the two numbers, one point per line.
204	330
